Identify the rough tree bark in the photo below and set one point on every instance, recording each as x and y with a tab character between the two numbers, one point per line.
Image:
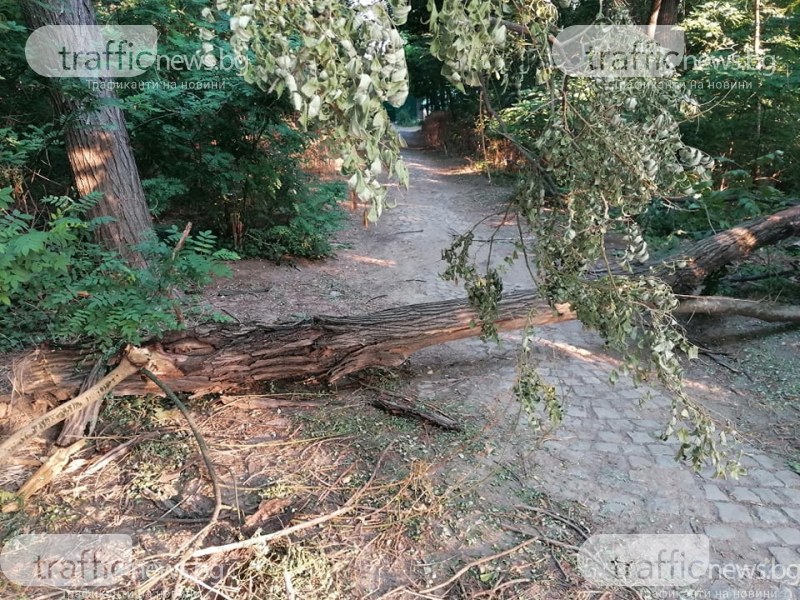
218	358
668	12
97	143
662	12
652	18
708	256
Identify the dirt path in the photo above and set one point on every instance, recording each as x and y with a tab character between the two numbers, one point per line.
605	455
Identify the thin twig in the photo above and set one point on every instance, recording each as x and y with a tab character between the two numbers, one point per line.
543	538
182	241
175	251
186	550
566	521
201	442
117	452
477	563
763	276
201	583
714	356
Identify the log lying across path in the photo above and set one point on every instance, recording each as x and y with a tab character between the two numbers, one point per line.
237	357
217	358
228	358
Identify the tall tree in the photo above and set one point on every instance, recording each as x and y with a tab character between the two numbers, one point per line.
97	142
662	12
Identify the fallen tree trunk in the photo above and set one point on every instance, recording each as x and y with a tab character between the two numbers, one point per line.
709	255
216	358
721	306
212	359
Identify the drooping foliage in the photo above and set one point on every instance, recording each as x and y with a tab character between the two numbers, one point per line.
604	151
337	62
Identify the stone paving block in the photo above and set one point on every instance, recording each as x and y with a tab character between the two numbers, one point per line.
764	478
769	516
733	513
794	513
640	462
702	511
640	437
666	461
663	506
575	412
707	474
607	447
768	496
792	496
784	556
611	436
743	494
789	478
606	413
584	392
761	537
582	433
579	445
621	425
670	479
714	493
720	532
633	394
574	457
748	462
661	449
629	449
764	461
788	535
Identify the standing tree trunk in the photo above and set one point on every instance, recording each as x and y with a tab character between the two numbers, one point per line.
668	13
652	19
101	158
662	12
97	143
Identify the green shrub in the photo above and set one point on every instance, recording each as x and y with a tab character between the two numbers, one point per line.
58	285
303	227
209	147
